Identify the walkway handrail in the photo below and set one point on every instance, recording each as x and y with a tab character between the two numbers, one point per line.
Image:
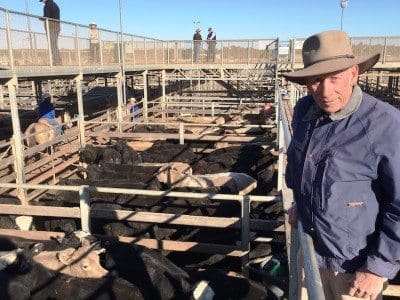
311	270
28	45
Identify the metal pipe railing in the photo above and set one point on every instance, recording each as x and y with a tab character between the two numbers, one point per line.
298	236
84	203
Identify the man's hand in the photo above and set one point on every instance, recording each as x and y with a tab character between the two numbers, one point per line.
366	285
292	213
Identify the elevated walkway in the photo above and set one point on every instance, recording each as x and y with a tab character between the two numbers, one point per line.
25	52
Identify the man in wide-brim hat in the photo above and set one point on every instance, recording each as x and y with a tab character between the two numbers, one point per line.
343	168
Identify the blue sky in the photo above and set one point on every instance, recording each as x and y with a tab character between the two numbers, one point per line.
231	19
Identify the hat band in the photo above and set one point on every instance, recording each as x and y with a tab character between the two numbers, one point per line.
332	57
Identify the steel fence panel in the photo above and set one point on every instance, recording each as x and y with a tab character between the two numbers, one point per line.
4	57
128	49
392	53
159	52
150	51
139	50
109	47
69	43
367	45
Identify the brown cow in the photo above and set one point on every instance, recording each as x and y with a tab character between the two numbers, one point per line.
83	262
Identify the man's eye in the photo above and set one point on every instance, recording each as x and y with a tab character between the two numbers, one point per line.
315	81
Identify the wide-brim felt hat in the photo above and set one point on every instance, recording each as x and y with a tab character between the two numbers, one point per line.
328	52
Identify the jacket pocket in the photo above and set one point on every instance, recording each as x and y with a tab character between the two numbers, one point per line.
294	164
320	180
359	225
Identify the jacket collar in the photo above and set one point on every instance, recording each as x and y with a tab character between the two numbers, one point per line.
315	112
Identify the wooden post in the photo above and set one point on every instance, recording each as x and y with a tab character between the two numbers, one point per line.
81	113
145	105
281	141
120	89
101	49
145	52
18	148
2	104
84	200
245	232
9	41
181	133
49	42
78	48
167	52
163	94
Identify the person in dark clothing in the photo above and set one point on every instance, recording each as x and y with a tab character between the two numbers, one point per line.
52	11
211	39
197	45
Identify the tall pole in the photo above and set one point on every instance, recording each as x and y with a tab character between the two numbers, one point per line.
28	23
196	24
122	52
341	19
343	5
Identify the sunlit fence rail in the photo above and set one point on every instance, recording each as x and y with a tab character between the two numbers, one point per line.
24	42
387	46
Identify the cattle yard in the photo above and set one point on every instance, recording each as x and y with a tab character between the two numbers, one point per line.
160	152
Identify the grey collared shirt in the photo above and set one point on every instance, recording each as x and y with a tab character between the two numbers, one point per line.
315	112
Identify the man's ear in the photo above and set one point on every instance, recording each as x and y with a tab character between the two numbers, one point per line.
354	73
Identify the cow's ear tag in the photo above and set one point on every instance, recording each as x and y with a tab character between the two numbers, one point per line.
65	256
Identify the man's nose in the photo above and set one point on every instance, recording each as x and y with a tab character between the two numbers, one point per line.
326	87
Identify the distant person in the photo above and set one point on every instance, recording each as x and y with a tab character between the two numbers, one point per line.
134	108
52	11
47	113
211	40
197	45
94	43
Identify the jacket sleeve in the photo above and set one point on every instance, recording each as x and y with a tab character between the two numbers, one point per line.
384	255
288	172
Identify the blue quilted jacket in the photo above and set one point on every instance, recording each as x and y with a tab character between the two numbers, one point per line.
345	176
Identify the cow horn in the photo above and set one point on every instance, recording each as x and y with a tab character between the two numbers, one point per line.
99	251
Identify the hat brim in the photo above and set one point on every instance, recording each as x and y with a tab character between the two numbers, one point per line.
330	66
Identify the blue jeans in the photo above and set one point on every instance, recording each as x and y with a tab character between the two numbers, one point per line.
56	125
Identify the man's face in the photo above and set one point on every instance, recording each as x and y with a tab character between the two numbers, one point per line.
332	91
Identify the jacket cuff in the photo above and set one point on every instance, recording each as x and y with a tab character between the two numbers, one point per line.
381	267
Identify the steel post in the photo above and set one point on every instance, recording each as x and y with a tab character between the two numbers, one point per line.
18	148
49	42
245	232
163	75
120	83
84	204
81	113
9	41
145	99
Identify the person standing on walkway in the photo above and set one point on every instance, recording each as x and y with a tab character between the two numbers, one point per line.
197	45
343	168
94	43
211	40
52	11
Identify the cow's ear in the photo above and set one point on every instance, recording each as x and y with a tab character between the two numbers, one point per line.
65	256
